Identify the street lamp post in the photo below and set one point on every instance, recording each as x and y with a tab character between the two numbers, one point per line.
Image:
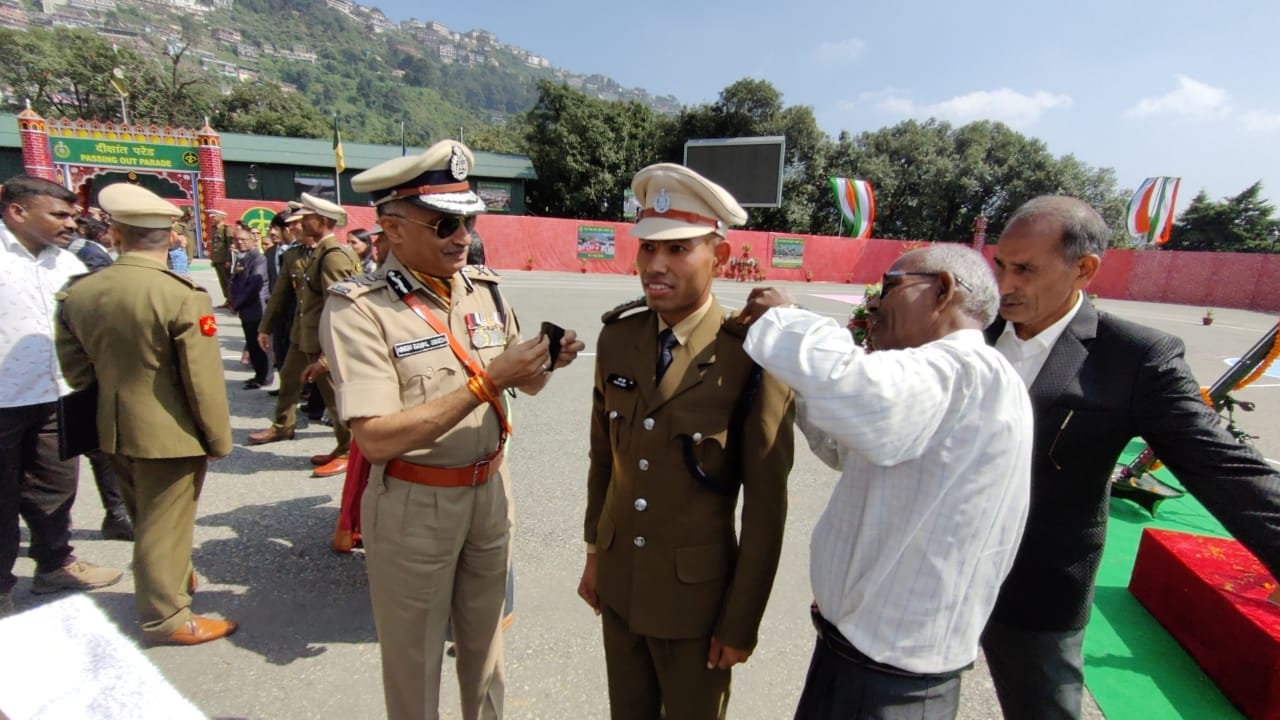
251	180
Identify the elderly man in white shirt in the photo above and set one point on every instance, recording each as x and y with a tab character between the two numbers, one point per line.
932	435
35	484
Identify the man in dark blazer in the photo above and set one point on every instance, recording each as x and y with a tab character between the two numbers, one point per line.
249	290
680	588
1096	381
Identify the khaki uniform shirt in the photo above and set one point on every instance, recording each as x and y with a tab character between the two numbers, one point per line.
149	338
384	358
671	562
285	293
330	262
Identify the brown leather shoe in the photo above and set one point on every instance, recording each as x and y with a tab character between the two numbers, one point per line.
198	629
270	435
336	466
322	459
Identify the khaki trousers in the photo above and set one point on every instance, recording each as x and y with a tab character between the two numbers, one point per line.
652	678
433	553
160	495
295	361
340	431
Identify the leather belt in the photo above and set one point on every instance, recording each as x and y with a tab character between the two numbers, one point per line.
465	476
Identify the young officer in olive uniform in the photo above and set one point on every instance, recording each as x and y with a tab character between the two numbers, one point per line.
681	418
149	339
281	311
330	263
420	353
220	252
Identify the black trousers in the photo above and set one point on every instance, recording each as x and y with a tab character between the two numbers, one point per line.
108	485
36	486
844	684
263	373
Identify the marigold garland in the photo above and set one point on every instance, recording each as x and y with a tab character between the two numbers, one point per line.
1258	372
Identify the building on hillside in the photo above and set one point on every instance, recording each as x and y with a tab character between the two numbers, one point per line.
245	50
439	29
92	5
225	34
13	15
448	53
374	19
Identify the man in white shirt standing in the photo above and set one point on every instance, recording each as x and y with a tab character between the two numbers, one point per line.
932	434
35	484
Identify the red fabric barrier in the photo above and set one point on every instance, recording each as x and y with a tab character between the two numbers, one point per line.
1224	280
1211	595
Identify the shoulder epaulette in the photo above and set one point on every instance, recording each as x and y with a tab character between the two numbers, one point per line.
357	285
481	272
620	311
185	280
62	294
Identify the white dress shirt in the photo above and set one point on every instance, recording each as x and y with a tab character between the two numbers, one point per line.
1028	356
934	448
29	372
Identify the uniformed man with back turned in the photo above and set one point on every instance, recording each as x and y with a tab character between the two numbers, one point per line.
421	352
682	422
149	339
220	251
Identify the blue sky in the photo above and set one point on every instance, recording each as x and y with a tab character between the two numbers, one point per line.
1155	88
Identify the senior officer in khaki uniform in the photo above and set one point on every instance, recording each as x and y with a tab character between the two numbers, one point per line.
330	262
149	339
681	418
421	352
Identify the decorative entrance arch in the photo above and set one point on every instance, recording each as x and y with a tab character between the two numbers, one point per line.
74	152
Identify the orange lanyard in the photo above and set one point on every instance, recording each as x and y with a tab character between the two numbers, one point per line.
405	292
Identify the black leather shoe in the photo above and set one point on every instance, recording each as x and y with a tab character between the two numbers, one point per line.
252	384
117	527
273	393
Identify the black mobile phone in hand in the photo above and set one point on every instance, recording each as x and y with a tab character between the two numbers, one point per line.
554	334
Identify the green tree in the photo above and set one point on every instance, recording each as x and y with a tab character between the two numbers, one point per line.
262	109
932	181
1241	223
585	151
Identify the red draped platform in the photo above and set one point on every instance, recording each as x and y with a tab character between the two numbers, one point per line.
1211	595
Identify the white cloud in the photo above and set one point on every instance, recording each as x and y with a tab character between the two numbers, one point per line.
1261	121
1192	99
840	51
1008	106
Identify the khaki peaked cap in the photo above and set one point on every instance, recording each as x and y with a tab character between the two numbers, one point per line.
312	205
436	180
678	203
138	207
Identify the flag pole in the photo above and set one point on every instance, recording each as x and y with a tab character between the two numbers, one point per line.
338	161
403	151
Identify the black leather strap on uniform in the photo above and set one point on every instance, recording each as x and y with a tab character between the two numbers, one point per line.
727	484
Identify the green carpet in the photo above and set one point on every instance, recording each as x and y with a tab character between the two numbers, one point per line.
1133	668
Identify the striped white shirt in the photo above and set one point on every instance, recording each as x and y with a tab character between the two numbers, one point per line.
934	448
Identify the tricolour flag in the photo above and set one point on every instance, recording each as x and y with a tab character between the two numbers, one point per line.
1150	213
339	161
857	203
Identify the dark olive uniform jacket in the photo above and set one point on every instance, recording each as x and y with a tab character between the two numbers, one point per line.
670	562
330	263
284	294
148	336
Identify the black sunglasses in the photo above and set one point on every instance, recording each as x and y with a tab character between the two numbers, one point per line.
446	226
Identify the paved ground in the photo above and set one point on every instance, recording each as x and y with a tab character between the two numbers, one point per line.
306	648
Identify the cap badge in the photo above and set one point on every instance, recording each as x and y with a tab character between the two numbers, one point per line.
662	203
458	165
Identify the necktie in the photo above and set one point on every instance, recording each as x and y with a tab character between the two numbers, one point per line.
666	342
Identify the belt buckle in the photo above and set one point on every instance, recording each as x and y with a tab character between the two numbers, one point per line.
476	472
